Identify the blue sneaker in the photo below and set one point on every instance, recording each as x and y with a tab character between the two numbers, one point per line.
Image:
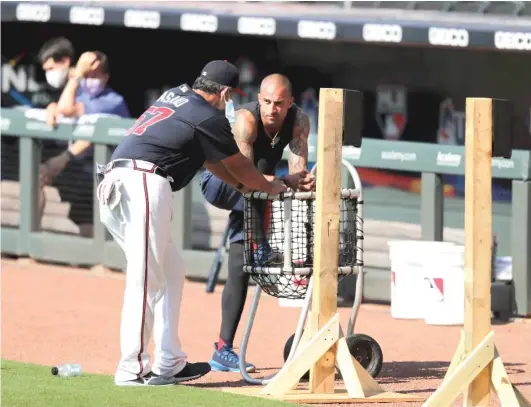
226	360
264	256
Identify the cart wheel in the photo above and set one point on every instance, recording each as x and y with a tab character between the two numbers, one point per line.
367	352
287	349
363	347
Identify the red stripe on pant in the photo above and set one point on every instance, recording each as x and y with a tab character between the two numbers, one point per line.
146	249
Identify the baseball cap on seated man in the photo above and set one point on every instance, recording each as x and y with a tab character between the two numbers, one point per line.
223	73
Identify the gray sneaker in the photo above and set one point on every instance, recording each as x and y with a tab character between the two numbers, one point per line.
150	379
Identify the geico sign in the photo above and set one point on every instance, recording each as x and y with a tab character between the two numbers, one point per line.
453	37
87	15
382	32
199	22
142	19
256	26
33	12
512	40
322	30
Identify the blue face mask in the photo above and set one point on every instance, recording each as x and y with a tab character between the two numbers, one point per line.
92	86
230	113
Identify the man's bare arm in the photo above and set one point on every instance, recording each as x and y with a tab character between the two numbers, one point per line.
244	171
298	156
244	132
219	170
67	105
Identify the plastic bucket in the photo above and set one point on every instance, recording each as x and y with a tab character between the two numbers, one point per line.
504	268
408	258
444	287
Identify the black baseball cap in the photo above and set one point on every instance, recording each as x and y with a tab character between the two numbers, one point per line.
224	73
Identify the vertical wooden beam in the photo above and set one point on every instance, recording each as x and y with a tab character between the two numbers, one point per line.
478	237
326	249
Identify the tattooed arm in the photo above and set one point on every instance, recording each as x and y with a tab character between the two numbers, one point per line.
298	156
244	131
299	178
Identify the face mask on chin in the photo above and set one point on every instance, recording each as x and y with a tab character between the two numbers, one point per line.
230	112
56	78
92	86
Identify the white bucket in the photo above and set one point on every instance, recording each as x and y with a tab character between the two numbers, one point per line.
444	287
407	273
289	303
504	268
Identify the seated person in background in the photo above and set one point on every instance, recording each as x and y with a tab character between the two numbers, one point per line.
56	58
86	92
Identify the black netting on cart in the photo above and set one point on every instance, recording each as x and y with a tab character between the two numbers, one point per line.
279	240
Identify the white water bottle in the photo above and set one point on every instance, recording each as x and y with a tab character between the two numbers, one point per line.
68	370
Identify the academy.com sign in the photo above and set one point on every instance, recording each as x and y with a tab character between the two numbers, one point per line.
398	156
448	159
502	163
454	160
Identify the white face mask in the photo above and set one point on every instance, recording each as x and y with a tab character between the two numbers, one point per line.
56	77
230	113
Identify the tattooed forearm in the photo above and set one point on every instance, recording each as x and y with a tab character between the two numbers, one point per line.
244	133
298	157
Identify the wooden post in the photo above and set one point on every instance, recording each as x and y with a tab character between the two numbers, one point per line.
324	341
478	236
476	364
326	246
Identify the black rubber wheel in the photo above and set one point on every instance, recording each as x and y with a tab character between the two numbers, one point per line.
367	352
362	347
287	349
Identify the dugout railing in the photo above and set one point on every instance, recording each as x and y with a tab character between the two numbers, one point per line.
432	160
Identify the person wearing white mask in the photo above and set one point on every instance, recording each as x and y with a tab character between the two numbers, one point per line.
56	56
86	92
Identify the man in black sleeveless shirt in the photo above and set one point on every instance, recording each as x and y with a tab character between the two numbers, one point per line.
262	131
183	130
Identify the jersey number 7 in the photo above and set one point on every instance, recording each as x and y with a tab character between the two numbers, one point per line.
157	114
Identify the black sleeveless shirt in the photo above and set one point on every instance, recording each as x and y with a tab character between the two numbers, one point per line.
262	149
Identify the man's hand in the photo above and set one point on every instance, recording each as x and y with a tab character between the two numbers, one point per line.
88	61
51	114
300	181
53	167
277	187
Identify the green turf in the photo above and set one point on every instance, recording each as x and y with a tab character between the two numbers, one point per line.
26	385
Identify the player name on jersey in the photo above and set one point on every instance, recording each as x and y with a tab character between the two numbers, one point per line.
172	99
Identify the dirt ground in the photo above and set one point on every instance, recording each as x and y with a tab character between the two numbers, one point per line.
53	315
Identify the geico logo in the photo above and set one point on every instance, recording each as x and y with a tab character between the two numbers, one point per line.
382	32
87	15
142	19
512	40
199	22
257	26
455	37
33	12
323	30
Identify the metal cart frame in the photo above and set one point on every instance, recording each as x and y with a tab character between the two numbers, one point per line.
358	271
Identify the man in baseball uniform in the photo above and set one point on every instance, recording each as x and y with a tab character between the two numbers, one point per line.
182	131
